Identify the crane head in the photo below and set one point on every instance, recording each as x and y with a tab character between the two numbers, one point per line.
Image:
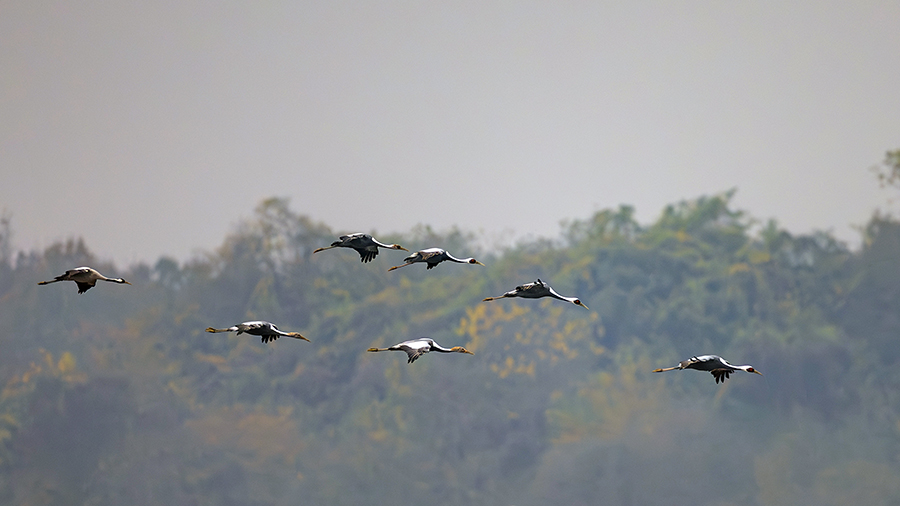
578	302
473	261
296	335
754	371
460	349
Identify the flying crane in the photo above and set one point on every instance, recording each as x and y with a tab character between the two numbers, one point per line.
364	244
84	277
716	365
268	331
432	257
415	348
536	290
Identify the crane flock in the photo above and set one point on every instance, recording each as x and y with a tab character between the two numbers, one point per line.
367	247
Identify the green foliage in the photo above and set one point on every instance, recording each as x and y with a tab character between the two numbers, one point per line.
120	397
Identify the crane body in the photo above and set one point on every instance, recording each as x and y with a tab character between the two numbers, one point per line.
536	290
433	256
268	331
714	364
364	244
84	277
415	348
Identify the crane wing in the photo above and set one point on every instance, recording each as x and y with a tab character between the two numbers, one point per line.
721	374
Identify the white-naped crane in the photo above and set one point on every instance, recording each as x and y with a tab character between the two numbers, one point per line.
84	277
268	331
432	257
716	365
415	348
364	244
536	290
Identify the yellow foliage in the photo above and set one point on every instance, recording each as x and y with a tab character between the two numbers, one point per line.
66	363
611	405
738	267
758	257
539	336
510	365
64	369
263	437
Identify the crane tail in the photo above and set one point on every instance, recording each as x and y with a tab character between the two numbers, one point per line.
377	349
666	369
322	249
398	266
48	282
210	329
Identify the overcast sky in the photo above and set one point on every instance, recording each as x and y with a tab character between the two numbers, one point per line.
152	128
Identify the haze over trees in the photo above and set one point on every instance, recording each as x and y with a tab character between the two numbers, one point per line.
120	397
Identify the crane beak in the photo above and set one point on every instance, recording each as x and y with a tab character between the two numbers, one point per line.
397	246
296	335
757	372
579	303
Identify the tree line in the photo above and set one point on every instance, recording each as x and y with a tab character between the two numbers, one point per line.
119	396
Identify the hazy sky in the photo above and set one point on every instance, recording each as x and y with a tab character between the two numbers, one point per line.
151	128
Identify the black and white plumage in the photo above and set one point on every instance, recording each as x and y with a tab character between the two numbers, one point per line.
364	244
432	257
84	277
415	348
268	331
536	290
716	365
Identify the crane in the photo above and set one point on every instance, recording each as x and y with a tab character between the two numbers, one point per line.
716	365
84	277
432	257
537	290
415	348
364	244
267	330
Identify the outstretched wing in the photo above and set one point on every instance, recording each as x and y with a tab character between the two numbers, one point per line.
415	349
721	374
367	254
83	287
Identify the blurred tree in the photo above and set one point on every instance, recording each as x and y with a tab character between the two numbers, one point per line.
888	173
557	405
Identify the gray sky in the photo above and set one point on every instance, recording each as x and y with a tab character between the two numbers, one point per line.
151	128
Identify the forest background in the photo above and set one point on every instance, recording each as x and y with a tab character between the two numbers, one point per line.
118	396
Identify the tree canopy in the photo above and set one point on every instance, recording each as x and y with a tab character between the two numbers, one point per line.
120	397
